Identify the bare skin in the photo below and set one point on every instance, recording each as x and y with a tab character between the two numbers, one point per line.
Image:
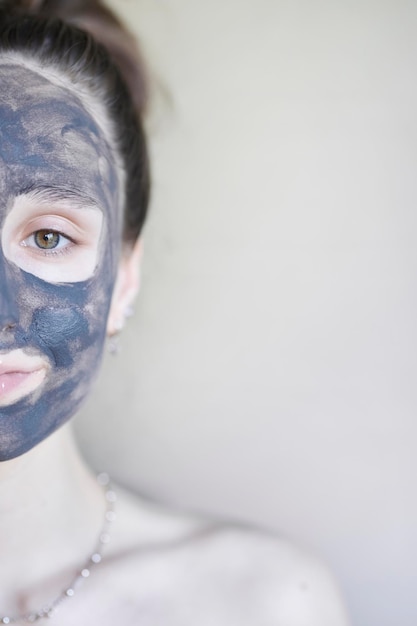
160	568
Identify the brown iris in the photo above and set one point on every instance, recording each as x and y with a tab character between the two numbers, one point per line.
46	239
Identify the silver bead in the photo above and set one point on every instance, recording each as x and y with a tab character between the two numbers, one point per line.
103	479
85	573
96	557
46	612
111	496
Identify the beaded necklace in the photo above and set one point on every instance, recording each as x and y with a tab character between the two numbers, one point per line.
86	568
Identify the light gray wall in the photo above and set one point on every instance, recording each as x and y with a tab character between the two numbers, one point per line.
269	372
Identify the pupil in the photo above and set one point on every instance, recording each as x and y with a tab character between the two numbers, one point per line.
46	239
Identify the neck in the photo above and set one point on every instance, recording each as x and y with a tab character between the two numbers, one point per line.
51	510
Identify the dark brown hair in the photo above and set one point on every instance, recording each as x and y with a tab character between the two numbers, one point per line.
85	40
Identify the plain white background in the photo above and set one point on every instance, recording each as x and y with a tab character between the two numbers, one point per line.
269	372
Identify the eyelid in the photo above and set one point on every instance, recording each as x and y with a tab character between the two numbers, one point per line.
75	260
59	215
54	223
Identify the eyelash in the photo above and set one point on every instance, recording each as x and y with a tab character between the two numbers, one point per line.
65	249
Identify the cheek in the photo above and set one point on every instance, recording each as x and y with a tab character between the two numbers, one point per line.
63	332
67	323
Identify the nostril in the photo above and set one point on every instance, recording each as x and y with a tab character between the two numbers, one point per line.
8	326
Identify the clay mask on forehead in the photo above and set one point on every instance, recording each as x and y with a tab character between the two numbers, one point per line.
60	243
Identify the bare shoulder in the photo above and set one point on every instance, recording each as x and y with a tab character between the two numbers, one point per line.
273	579
198	571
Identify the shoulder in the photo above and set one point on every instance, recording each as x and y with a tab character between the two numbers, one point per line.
231	574
267	577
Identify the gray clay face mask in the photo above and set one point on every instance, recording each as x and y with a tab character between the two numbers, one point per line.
60	244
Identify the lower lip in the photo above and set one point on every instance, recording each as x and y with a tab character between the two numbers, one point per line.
16	385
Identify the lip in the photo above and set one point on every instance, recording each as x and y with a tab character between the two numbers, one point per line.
20	375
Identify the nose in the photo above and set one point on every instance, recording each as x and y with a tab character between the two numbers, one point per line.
8	298
7	326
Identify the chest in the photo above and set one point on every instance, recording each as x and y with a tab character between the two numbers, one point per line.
160	596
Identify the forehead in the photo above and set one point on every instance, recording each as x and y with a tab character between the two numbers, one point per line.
49	138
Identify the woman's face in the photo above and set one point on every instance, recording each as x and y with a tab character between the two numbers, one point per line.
60	244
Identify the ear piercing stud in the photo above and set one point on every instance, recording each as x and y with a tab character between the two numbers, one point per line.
114	344
119	325
114	340
129	311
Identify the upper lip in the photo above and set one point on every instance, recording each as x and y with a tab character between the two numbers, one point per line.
17	361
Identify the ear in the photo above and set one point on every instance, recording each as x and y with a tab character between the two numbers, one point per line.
126	288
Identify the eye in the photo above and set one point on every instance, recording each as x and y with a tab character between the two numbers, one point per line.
58	244
46	239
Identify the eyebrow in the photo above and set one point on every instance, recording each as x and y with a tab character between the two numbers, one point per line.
75	197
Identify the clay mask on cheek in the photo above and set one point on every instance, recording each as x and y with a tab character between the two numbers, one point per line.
59	197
